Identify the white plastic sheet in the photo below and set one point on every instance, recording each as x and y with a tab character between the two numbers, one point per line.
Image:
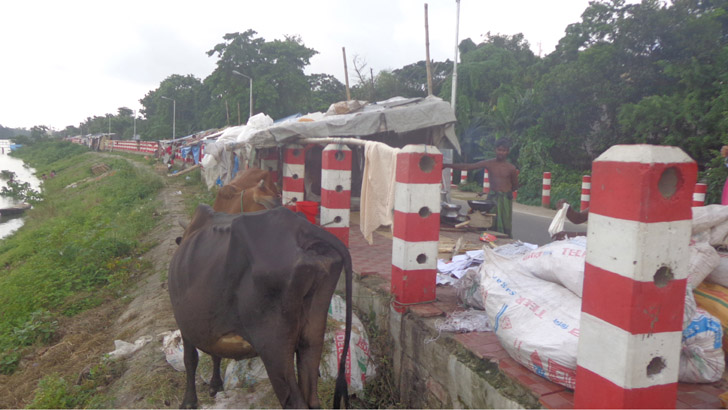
557	224
123	349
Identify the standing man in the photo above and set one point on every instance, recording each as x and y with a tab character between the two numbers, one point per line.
503	179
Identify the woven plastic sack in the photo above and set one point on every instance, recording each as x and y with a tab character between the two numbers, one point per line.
719	275
702	359
703	260
536	321
559	262
359	363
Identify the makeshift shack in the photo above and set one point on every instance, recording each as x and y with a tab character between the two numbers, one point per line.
396	122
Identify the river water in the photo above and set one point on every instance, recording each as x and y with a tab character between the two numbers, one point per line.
8	225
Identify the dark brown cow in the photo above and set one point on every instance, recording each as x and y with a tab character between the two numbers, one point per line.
259	283
251	190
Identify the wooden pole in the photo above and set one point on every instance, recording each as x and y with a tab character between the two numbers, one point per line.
427	52
346	75
238	112
371	78
227	113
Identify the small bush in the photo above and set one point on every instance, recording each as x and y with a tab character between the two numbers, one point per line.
9	360
41	328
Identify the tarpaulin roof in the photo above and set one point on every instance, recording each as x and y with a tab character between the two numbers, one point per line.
397	115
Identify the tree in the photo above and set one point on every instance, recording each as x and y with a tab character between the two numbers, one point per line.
325	90
280	87
185	91
487	70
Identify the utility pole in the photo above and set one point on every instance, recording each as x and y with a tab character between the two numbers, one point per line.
453	97
427	53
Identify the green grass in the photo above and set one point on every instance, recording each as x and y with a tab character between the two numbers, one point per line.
55	392
78	245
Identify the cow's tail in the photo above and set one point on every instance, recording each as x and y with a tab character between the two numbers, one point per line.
341	390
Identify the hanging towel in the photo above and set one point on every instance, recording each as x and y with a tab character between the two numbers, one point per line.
377	188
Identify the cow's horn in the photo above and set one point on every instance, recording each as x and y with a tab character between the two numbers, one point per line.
261	184
182	224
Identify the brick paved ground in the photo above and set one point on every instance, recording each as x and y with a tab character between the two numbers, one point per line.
376	259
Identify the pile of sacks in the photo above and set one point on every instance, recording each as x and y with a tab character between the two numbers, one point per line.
533	302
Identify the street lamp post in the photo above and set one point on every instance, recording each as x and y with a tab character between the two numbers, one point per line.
174	115
251	91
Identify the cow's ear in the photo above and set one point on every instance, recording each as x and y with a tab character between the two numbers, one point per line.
261	184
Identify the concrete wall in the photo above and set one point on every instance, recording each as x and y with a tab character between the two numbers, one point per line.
431	370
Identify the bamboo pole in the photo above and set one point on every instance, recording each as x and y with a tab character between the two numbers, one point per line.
427	52
346	75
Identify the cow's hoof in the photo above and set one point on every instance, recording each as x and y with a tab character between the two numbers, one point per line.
214	388
188	405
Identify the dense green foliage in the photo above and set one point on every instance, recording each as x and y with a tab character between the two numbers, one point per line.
651	73
76	249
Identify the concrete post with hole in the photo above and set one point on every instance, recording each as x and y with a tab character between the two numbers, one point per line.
585	191
635	278
546	190
463	177
699	194
416	229
294	166
269	162
486	182
336	190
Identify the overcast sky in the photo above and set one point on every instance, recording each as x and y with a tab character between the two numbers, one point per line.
64	61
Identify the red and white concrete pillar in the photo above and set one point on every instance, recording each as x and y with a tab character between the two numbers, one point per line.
463	177
635	278
452	180
416	229
486	182
699	194
546	190
336	190
269	162
585	191
294	166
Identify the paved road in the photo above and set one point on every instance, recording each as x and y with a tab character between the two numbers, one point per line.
530	223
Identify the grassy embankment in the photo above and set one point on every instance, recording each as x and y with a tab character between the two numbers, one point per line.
78	248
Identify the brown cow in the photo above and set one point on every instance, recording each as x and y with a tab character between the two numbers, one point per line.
259	283
251	190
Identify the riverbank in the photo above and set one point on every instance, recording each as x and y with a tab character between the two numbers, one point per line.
88	269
